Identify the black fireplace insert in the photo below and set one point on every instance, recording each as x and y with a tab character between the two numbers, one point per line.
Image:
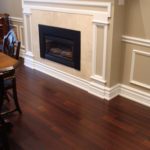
60	45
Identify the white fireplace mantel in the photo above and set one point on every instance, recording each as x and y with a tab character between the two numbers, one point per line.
101	13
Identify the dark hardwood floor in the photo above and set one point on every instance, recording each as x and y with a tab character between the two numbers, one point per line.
58	116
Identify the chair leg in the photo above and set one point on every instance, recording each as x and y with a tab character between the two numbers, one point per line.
15	96
1	100
5	141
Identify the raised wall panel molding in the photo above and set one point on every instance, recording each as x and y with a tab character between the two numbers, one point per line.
134	52
136	41
21	32
99	78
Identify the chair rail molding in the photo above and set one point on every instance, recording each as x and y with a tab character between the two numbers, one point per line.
16	19
136	41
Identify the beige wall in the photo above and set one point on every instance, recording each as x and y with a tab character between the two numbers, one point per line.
137	18
116	54
12	7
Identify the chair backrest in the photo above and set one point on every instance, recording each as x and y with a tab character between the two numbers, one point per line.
11	46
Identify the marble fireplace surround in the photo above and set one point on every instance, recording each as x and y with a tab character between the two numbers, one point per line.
92	19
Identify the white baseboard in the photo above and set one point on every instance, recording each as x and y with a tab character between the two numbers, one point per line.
89	86
135	95
112	92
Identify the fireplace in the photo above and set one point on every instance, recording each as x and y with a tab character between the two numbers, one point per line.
60	45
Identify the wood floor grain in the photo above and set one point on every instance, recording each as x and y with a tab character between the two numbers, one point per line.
58	116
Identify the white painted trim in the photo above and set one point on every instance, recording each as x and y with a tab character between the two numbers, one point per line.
102	77
100	18
112	92
102	23
134	52
140	84
28	33
135	95
29	54
78	82
16	19
21	33
99	79
26	10
22	53
71	2
105	52
91	87
136	41
94	48
106	5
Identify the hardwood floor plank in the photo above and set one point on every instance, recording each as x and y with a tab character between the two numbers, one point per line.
58	116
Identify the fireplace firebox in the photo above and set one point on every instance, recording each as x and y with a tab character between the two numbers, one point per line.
60	45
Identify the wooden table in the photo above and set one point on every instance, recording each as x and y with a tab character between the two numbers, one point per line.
7	62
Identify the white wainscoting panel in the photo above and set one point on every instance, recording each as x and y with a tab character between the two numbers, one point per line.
17	24
132	80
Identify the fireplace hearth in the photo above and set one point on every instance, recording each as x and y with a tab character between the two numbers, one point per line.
60	45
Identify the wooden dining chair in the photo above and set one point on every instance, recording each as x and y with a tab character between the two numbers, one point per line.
11	46
8	82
